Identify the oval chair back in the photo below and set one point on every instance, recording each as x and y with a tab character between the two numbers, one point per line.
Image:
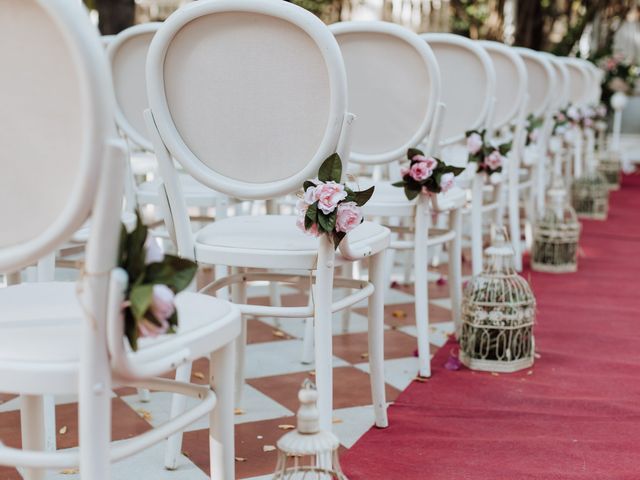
394	87
57	124
511	82
563	81
579	79
468	84
127	53
542	82
249	97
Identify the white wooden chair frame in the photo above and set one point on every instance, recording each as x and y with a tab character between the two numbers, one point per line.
169	143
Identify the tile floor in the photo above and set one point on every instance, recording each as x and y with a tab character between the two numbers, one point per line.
274	375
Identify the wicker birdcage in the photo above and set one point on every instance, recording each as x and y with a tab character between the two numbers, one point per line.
610	168
498	313
556	236
590	196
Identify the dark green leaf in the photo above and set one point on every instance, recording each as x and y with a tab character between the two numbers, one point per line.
311	216
307	184
412	152
337	238
131	329
327	222
398	184
140	299
331	169
505	148
175	272
410	192
363	196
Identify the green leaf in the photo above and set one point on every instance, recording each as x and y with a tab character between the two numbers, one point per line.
331	169
412	152
399	184
140	299
175	272
505	148
337	238
410	192
327	222
307	184
131	329
363	196
311	216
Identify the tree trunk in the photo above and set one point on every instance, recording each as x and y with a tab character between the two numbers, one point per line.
115	15
529	24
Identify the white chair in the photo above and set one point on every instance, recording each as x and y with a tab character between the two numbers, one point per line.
67	338
509	111
395	112
127	54
542	94
468	91
247	114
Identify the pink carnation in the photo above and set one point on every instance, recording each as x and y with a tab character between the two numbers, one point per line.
420	171
474	143
328	195
447	181
494	160
349	217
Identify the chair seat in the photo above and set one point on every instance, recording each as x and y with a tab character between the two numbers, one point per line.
388	200
273	241
195	193
40	324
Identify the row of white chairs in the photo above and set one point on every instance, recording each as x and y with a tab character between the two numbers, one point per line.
247	99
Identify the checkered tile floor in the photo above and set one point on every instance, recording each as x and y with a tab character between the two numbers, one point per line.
274	375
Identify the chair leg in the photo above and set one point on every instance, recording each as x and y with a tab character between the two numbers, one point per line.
323	331
239	296
476	223
376	339
455	270
32	423
421	265
275	299
178	406
221	419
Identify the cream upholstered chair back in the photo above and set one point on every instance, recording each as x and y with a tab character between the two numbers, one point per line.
562	96
57	125
468	83
249	97
127	54
511	82
541	81
394	87
579	81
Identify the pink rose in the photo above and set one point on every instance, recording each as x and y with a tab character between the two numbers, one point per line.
349	217
146	328
328	195
430	161
474	143
313	231
447	181
561	117
153	251
162	306
309	195
420	171
494	160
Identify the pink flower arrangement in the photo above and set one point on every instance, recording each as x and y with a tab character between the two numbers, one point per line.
426	175
489	157
328	206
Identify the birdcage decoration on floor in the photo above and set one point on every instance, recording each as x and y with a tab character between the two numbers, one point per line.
498	313
590	196
556	236
308	453
610	168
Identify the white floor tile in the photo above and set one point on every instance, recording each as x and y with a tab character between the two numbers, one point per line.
354	422
278	358
439	332
398	372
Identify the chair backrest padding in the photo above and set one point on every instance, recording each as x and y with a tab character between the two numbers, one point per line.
55	112
249	96
468	83
511	82
394	86
127	53
579	81
541	81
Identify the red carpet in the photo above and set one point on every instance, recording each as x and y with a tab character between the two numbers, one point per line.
576	415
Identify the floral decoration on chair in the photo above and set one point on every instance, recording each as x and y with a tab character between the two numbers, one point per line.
489	157
426	175
620	76
329	206
533	128
154	280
